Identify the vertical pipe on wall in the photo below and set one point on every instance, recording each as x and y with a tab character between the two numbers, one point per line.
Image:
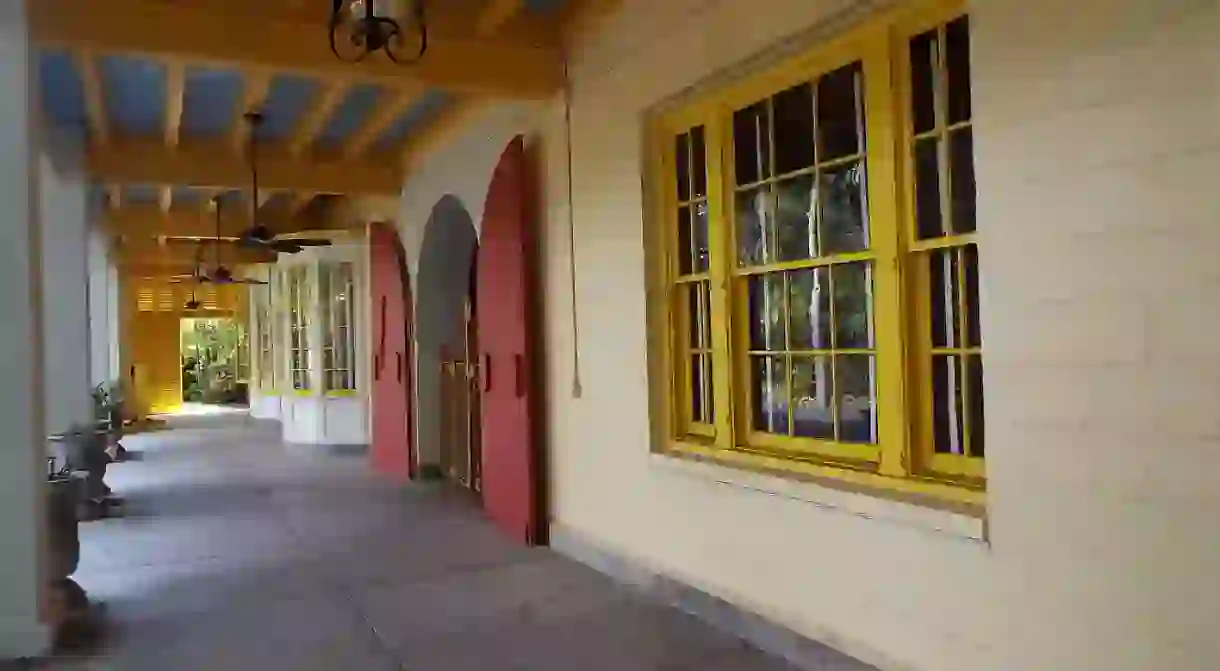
577	389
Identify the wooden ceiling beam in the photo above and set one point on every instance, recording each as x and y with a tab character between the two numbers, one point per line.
464	63
146	221
145	161
179	255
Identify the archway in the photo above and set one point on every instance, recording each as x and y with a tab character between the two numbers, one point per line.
446	338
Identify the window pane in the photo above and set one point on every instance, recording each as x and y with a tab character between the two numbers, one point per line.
974	371
685	244
853	305
752	144
961	161
855	398
945	297
682	164
970	263
794	129
698	317
927	189
709	407
839	117
769	394
957	58
698	385
947	404
844	225
766	299
923	90
809	308
795	203
755	228
698	162
699	225
811	405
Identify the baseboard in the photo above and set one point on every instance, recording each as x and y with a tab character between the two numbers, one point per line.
337	450
802	652
22	638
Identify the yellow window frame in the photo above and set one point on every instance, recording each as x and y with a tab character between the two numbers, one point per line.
902	460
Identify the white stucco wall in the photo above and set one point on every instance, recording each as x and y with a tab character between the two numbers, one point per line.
22	474
65	282
1097	129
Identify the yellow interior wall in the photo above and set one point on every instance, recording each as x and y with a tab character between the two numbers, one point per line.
151	338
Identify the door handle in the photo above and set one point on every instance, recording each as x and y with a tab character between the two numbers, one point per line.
519	374
377	367
399	355
486	372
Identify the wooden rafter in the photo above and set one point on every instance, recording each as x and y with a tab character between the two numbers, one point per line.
95	98
175	100
464	63
256	86
145	161
314	119
380	121
496	13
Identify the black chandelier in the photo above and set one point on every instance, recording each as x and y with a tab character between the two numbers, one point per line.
361	27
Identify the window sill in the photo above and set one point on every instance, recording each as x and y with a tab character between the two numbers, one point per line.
932	507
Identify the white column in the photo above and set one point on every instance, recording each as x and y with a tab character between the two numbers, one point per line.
65	280
21	414
99	299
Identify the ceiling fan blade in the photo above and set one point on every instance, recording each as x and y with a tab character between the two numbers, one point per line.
310	242
250	282
285	247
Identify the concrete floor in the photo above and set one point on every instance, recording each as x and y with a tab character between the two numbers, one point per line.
237	552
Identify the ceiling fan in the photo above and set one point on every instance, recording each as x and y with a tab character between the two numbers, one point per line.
258	236
220	274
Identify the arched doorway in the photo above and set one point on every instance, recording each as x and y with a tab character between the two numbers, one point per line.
447	339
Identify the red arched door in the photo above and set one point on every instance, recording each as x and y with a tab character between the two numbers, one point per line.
393	451
506	344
